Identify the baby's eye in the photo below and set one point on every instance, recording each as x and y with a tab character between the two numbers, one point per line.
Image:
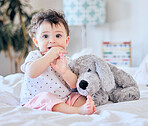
58	36
45	36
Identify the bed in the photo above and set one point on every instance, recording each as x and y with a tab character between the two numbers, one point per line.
131	113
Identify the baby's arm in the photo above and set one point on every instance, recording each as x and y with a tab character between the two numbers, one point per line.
70	78
36	68
64	71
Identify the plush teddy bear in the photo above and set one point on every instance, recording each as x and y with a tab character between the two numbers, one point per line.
103	81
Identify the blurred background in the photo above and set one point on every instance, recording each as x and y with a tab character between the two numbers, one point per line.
125	20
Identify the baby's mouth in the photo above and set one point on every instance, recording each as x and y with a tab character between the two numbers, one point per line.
49	47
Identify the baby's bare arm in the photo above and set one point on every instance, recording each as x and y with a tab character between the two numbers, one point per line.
61	67
70	78
36	68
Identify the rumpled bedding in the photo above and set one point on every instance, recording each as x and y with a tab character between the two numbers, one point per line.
131	113
141	75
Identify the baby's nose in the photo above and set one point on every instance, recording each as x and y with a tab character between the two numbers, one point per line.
51	40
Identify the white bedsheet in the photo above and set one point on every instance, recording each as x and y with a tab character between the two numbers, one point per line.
132	113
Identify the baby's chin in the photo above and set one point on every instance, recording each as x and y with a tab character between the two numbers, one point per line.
43	52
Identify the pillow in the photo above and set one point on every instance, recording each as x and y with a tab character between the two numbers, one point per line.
85	51
141	75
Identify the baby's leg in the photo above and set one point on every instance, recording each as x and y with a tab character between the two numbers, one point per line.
49	102
86	109
80	101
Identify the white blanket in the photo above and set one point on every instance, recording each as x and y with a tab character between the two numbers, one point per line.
132	113
141	75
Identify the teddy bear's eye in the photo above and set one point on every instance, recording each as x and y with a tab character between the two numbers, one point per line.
89	70
78	74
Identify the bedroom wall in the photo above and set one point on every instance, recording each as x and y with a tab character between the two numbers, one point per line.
126	21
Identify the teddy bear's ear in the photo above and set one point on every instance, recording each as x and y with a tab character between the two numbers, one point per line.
105	74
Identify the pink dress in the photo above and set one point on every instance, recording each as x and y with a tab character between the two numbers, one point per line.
46	101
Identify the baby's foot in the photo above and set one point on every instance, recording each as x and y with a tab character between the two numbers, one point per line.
88	108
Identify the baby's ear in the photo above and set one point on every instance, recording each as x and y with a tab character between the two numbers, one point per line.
67	40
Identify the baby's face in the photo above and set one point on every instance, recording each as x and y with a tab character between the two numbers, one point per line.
48	36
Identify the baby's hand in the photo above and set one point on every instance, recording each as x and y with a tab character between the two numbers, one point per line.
61	64
53	53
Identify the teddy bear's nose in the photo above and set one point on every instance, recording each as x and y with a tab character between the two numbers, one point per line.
83	84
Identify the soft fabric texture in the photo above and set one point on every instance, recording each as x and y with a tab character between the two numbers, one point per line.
141	75
130	113
103	81
48	81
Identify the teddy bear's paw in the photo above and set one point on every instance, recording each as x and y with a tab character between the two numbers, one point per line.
100	98
125	94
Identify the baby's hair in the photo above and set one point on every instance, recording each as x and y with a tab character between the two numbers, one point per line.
51	16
